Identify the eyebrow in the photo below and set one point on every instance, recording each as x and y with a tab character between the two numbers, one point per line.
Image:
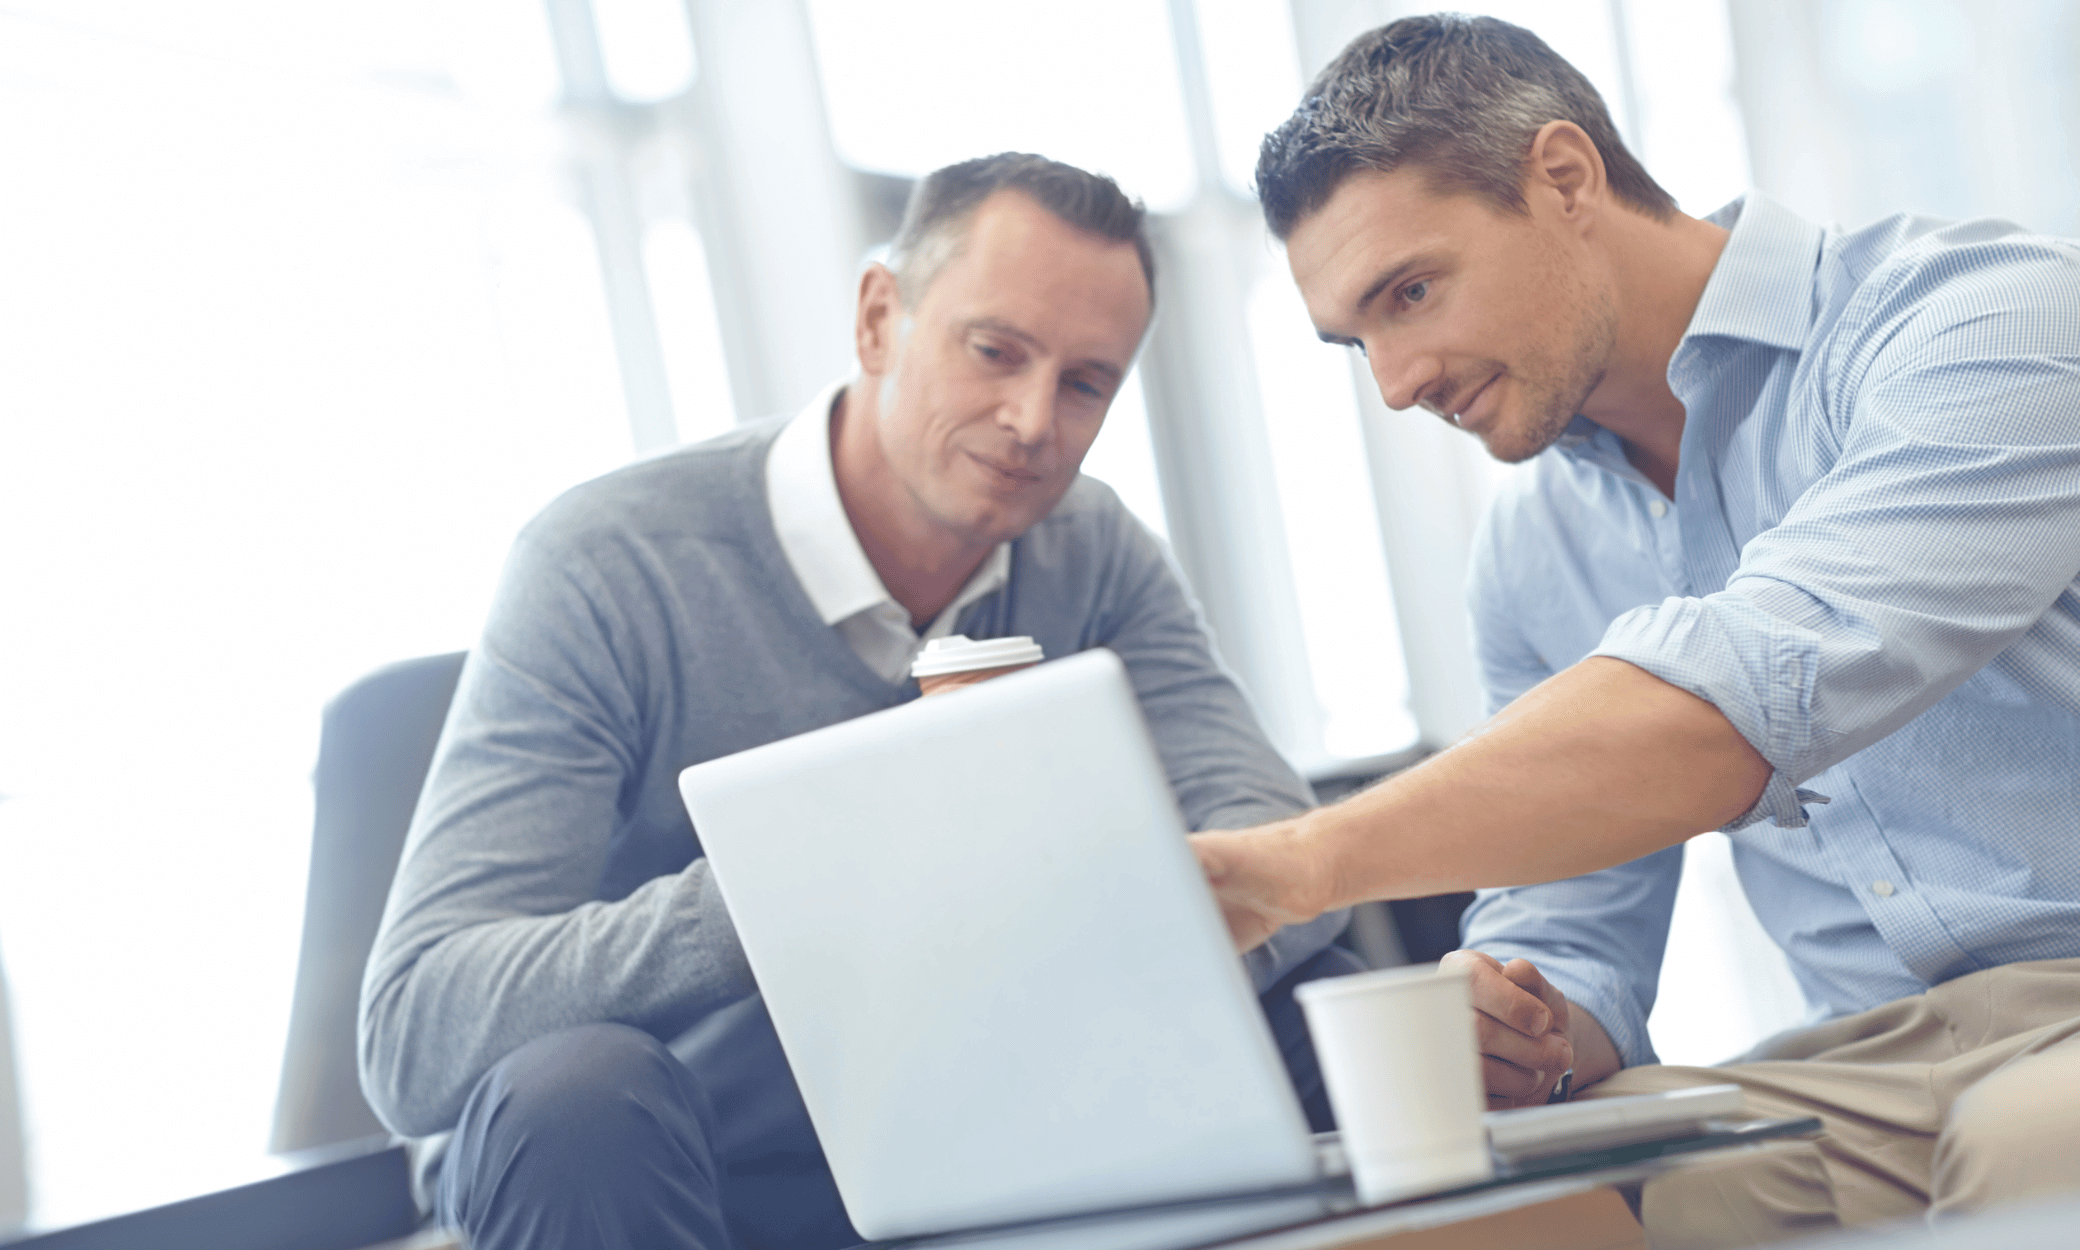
1002	327
1391	277
1005	328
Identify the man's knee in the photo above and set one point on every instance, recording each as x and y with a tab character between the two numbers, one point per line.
598	1112
592	1084
2013	1136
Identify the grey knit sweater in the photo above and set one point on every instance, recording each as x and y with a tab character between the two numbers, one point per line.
649	620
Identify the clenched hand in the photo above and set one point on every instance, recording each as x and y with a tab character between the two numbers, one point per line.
1520	1024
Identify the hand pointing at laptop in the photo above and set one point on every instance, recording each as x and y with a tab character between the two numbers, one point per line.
1527	1034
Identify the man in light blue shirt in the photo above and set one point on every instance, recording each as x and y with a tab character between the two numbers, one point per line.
1796	557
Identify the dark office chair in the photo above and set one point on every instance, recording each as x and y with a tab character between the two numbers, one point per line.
377	741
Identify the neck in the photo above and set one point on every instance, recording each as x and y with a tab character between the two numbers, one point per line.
923	564
1660	270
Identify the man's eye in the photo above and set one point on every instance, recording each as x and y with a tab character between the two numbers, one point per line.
1414	292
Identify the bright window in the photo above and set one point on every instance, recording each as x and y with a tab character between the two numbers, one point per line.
1252	77
1665	71
1124	457
1689	133
300	330
677	267
1332	528
645	47
912	85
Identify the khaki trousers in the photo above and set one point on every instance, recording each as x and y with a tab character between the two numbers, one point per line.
1953	1100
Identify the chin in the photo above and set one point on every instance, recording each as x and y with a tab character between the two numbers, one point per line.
1515	445
1010	514
985	524
1513	452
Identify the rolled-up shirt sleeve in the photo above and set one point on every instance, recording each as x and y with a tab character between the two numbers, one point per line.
1946	526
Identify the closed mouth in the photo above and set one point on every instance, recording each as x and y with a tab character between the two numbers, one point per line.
1459	409
1011	473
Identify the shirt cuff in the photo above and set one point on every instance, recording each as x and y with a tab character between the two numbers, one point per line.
1291	946
1596	988
1757	669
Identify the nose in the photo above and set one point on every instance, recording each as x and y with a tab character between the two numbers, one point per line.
1404	377
1027	411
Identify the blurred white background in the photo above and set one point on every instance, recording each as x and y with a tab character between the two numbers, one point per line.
306	305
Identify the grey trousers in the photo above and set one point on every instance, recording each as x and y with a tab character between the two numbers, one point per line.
600	1137
1962	1098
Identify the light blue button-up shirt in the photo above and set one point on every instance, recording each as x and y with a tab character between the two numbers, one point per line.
1869	566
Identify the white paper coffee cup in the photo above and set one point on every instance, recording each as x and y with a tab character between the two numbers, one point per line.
1398	1054
958	660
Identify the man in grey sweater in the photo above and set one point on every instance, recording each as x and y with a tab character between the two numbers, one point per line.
557	984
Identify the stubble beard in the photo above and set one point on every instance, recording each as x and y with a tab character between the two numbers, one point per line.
1555	392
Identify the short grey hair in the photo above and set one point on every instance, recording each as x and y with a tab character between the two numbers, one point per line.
1459	98
935	222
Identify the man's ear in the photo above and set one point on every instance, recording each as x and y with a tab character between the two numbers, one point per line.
880	313
1565	170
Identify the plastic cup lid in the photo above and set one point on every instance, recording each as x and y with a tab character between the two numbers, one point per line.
958	653
1365	982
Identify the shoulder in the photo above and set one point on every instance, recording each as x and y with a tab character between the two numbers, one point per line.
1089	521
704	489
1087	558
1932	254
1088	501
1906	280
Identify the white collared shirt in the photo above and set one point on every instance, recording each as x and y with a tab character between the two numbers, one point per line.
816	535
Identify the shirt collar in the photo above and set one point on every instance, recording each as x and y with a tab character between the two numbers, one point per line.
1762	288
1761	291
816	535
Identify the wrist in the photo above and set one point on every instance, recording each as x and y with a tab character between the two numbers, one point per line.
1309	841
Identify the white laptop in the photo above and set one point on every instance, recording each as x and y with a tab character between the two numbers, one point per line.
998	975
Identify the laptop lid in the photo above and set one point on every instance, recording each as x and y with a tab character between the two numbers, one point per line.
991	958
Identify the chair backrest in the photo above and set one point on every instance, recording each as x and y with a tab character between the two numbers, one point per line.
376	744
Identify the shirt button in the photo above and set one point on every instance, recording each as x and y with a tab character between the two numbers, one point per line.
1883	889
1658	508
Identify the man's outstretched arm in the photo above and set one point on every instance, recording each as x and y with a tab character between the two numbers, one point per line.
1597	766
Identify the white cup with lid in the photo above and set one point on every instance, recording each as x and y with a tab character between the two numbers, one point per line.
1398	1054
957	660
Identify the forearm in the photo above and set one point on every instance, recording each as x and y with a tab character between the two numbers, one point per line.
1223	770
1597	766
447	998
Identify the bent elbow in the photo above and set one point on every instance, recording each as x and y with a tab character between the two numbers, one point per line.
397	1089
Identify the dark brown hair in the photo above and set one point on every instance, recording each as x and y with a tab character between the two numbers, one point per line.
1460	98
